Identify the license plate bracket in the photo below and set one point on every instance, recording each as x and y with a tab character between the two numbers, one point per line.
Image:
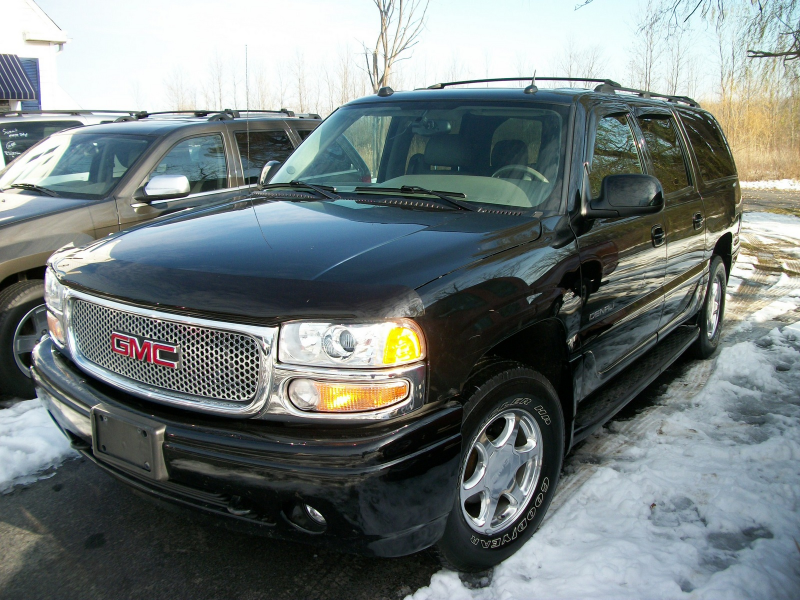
128	441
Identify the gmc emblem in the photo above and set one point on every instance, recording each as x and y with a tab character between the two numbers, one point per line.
157	353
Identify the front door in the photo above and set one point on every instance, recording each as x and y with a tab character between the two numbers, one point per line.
203	159
622	262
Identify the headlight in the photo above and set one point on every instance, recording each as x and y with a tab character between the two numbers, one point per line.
384	344
53	292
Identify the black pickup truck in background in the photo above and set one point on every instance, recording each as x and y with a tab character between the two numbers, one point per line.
89	181
395	341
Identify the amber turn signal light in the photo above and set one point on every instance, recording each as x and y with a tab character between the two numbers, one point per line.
338	397
55	328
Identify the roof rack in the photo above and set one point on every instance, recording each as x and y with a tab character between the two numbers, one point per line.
607	86
647	94
215	115
76	112
439	86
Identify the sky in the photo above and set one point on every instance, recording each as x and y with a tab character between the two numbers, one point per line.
120	55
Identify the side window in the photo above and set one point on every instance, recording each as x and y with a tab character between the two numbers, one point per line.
304	133
713	157
614	151
263	146
662	141
201	159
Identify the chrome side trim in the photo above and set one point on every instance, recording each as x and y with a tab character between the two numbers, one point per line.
265	337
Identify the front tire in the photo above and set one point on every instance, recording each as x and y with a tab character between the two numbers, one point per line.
712	311
23	321
513	446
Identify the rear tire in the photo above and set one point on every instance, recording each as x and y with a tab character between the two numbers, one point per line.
22	321
513	447
712	311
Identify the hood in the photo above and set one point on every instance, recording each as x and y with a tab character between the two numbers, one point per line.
20	205
276	260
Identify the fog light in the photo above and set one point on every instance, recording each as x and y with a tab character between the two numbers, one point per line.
55	328
325	396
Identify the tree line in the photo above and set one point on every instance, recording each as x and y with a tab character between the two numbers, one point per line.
752	86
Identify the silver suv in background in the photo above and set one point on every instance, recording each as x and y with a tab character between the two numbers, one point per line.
20	130
87	182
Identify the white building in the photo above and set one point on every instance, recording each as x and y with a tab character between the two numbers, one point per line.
29	45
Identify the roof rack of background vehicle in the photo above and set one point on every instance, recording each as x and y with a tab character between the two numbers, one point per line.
215	115
606	86
75	112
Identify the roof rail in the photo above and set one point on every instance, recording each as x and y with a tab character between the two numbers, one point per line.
607	86
648	94
439	86
76	112
213	115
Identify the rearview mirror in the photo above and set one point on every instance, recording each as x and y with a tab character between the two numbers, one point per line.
268	172
165	187
626	196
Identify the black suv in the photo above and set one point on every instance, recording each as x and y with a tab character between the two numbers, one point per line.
394	343
82	184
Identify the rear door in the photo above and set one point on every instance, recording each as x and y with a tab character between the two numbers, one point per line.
622	259
717	179
683	216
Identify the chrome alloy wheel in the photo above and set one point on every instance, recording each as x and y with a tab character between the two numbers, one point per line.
712	312
500	471
28	333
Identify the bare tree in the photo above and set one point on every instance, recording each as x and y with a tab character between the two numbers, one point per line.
180	94
402	22
214	86
773	25
647	47
579	62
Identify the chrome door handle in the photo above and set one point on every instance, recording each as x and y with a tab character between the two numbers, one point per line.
658	235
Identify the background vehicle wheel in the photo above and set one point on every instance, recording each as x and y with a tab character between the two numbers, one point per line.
23	321
513	446
712	312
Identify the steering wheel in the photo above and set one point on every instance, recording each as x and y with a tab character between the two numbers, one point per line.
524	169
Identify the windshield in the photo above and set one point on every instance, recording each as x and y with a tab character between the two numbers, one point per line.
15	138
78	165
509	155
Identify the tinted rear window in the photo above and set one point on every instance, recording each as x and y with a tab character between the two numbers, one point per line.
713	157
15	138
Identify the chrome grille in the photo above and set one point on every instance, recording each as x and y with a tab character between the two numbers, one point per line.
214	363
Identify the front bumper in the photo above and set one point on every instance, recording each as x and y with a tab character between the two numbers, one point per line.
384	489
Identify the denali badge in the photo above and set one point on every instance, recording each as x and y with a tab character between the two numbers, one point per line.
157	353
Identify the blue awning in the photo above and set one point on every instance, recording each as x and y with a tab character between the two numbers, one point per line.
14	84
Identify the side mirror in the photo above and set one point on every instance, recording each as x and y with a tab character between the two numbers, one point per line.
626	196
166	187
268	172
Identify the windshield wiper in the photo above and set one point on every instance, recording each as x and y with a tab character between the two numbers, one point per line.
447	197
32	187
325	191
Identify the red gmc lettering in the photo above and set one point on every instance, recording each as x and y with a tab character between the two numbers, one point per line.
144	350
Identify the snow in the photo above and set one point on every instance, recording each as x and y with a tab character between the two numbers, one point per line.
697	496
30	443
774	184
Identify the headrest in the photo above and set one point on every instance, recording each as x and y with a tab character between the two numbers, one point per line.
509	152
448	151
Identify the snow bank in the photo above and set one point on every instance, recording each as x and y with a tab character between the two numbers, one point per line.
696	497
775	184
29	443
